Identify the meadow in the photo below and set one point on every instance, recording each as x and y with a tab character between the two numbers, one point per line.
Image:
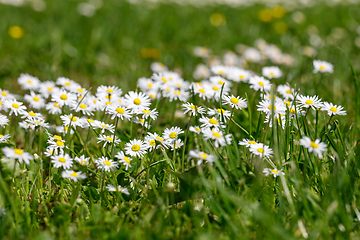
151	120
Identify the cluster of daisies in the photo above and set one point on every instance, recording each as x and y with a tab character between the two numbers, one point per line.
78	108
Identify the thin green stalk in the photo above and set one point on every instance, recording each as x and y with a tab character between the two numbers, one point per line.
113	143
184	147
148	170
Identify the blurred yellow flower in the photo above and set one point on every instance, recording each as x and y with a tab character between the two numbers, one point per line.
217	19
152	53
265	15
16	32
278	12
281	27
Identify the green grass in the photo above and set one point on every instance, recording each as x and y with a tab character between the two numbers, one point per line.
317	198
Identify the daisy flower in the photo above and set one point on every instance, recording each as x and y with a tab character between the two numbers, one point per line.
18	154
217	136
238	75
62	97
72	175
260	84
103	91
176	144
313	146
6	95
62	160
286	91
189	107
274	172
307	101
28	82
137	101
219	113
158	67
210	123
35	100
118	111
106	164
153	114
135	148
56	144
53	108
195	129
4	138
82	160
103	126
271	72
332	109
83	107
66	83
111	188
247	142
201	156
67	119
261	150
4	120
15	107
47	88
108	139
124	159
235	102
322	66
266	107
172	134
219	70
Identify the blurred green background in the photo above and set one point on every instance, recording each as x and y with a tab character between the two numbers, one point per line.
120	40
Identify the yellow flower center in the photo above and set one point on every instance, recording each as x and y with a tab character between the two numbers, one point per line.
108	103
142	120
173	135
90	120
201	90
29	81
32	114
108	97
74	174
146	111
333	109
160	139
202	156
163	79
271	74
220	110
177	92
120	110
109	139
135	147
261	83
215	134
215	88
50	88
288	91
68	83
292	111
107	163
64	97
213	121
241	76
72	118
260	150
57	137
221	82
127	160
220	71
82	106
18	151
274	171
14	105
4	94
110	90
197	129
36	99
287	103
314	145
62	160
194	107
309	102
234	100
149	85
59	143
152	142
137	101
56	105
269	107
322	67
251	142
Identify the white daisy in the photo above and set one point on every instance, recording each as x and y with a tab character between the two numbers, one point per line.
266	107
111	188
15	107
247	142
271	72
18	154
62	97
106	164
322	66
234	102
172	134
307	101
137	102
108	140
195	129
261	150
201	156
53	108
286	91
275	172
189	107
124	159
35	100
4	120
62	160
4	138
217	136
82	160
28	82
135	148
72	175
313	146
260	84
332	109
